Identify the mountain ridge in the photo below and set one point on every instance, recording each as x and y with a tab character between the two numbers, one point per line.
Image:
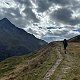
16	41
75	39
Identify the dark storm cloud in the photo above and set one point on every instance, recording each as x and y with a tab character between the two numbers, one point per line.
74	21
61	2
51	28
30	15
64	15
26	2
16	12
43	5
16	18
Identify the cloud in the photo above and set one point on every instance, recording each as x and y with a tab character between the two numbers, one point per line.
61	32
16	12
51	28
14	16
46	19
60	2
43	5
26	2
71	34
59	35
77	30
32	31
64	15
50	38
7	4
20	15
30	15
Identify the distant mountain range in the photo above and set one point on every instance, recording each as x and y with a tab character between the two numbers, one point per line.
15	41
75	39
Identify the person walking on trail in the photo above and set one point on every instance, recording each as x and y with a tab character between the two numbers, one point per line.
65	44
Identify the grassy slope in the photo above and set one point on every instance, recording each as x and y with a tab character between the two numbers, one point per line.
32	67
10	64
69	69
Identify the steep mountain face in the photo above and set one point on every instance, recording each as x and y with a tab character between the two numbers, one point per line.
15	41
75	39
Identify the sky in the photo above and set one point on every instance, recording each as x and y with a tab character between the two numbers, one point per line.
50	20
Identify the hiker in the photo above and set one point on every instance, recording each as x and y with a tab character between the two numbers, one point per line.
65	44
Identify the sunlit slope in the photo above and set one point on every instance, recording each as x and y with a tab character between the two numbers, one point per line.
69	69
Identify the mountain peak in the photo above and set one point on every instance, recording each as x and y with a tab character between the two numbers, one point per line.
5	19
5	23
15	41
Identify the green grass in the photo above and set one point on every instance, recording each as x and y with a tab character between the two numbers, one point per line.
29	67
9	64
35	65
69	69
38	72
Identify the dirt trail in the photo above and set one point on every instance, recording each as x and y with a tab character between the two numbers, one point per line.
54	66
65	68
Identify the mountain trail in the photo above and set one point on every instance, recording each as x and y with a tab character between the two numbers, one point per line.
54	66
